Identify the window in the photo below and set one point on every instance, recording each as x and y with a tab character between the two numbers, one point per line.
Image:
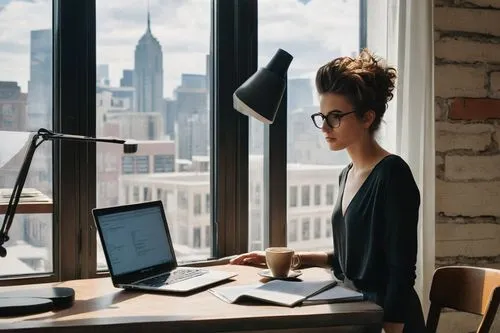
128	166
152	85
309	163
147	194
317	195
292	230
136	194
26	105
151	104
306	229
164	163
142	164
293	196
207	203
196	237
305	195
208	236
330	194
317	227
182	200
197	204
328	227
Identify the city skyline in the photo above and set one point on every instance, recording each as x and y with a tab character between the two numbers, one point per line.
176	144
181	27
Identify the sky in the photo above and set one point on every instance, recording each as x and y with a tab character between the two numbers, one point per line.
314	32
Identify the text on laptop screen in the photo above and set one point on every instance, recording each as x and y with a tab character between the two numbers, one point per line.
135	240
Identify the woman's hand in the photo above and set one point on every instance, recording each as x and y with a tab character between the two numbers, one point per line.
250	258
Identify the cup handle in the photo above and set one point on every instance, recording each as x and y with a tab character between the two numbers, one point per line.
296	261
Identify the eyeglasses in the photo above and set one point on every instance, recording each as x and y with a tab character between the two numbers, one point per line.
332	118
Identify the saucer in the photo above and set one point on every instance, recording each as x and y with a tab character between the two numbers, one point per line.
291	275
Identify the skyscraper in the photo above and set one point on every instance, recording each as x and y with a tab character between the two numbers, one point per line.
192	116
127	79
40	83
12	107
148	73
102	75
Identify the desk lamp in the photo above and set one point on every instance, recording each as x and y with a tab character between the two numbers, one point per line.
260	95
36	300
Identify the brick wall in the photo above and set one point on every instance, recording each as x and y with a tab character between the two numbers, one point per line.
467	90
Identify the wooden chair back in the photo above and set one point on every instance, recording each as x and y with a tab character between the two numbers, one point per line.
467	289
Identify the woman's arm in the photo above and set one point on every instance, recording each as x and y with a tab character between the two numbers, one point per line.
315	259
402	201
305	259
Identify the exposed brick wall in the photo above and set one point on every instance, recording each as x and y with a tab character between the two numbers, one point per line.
467	105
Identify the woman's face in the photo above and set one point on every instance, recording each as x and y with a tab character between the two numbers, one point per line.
350	130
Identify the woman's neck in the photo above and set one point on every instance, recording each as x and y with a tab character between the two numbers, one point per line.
365	153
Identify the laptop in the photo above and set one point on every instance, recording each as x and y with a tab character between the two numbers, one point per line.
140	254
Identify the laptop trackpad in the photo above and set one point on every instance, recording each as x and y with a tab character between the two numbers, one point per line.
213	276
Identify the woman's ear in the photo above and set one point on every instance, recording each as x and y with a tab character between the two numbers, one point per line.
368	118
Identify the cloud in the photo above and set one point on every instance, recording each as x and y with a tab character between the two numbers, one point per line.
17	19
313	33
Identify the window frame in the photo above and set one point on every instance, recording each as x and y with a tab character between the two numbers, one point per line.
234	26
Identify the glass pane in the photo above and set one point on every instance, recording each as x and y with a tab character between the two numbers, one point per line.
314	32
26	106
152	86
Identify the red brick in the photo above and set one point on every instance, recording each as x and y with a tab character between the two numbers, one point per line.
474	109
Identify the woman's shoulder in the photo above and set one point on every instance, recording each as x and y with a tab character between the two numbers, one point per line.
393	162
394	167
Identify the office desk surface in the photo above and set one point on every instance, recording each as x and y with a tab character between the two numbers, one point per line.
99	307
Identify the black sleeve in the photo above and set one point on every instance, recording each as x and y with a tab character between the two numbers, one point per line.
401	212
337	271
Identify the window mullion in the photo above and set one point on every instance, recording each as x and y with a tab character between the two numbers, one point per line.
74	113
234	52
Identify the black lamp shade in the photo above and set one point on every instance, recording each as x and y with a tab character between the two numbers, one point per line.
260	96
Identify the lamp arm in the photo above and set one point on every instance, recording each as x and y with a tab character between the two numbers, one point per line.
37	139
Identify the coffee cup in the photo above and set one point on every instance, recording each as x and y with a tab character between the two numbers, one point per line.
279	260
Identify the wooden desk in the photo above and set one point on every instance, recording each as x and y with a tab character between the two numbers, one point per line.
35	202
29	207
99	307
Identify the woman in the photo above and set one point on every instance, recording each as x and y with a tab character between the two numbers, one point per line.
374	221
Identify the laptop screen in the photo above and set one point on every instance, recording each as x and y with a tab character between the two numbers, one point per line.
135	239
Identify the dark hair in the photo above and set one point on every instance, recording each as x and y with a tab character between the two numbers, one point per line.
365	81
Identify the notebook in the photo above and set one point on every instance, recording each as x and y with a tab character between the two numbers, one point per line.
140	254
337	294
280	292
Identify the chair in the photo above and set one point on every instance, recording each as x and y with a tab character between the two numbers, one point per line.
468	289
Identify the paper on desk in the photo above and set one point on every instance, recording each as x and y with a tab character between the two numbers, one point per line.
16	141
288	293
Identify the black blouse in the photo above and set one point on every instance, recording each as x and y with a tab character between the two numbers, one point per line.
375	243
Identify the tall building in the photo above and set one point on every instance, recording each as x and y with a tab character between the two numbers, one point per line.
192	116
102	75
12	107
148	73
170	116
127	79
40	83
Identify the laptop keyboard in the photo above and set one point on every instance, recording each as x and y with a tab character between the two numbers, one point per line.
172	277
